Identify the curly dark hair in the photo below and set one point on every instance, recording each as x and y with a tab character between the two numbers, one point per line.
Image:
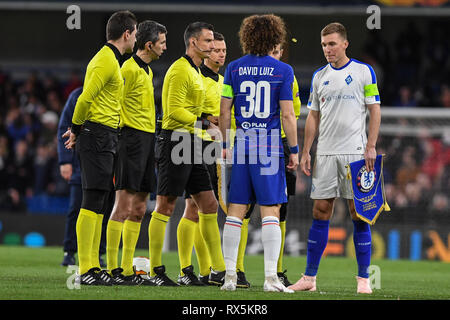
260	34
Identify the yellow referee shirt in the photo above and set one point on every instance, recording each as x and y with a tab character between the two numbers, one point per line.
102	90
183	95
297	104
213	91
138	103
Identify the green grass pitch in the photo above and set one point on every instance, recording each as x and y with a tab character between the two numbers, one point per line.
35	274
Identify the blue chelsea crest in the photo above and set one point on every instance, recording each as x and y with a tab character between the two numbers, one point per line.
365	180
348	79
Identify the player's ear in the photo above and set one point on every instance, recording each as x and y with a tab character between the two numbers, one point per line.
346	43
126	35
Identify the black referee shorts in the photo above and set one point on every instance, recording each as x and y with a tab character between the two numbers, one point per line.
96	148
180	164
291	176
211	167
135	164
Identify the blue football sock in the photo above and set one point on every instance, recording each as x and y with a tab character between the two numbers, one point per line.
317	241
362	239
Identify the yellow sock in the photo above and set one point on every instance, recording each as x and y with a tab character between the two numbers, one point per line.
210	232
95	262
201	251
113	235
85	229
283	237
242	245
130	237
185	241
156	233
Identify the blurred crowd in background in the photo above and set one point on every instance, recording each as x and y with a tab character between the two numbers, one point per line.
29	116
413	73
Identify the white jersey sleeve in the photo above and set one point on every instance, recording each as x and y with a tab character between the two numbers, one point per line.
313	102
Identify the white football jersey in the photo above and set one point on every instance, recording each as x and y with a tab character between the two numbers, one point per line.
341	96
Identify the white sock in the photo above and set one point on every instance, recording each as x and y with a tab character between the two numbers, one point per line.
271	240
231	239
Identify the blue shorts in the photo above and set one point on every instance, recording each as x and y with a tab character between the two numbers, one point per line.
264	184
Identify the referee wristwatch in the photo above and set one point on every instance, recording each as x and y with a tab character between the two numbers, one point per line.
204	122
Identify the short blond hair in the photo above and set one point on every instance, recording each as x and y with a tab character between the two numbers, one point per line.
334	27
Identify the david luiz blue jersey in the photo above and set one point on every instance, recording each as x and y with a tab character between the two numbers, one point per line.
257	84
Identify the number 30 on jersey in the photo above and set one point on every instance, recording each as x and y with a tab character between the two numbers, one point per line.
253	97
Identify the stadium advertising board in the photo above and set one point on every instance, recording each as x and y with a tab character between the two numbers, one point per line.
389	241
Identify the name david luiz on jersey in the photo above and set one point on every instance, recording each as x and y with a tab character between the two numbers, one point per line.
257	84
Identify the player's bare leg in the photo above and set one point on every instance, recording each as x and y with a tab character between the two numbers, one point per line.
122	205
138	206
323	209
190	210
165	204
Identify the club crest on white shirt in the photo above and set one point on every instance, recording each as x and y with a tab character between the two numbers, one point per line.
348	79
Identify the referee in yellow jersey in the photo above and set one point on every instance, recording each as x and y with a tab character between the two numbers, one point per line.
135	174
94	132
179	156
188	231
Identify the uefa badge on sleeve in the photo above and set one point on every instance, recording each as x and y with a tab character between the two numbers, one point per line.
368	189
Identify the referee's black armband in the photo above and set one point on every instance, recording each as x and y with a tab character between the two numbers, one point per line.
204	122
76	128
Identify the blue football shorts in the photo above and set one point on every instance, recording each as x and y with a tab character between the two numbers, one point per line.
264	184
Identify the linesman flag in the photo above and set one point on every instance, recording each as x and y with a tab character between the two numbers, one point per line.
224	177
368	189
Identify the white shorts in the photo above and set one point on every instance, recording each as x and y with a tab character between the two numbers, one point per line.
329	178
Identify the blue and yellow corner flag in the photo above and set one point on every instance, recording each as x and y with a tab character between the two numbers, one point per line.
368	189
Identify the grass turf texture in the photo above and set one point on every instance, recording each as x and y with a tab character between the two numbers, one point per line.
35	273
